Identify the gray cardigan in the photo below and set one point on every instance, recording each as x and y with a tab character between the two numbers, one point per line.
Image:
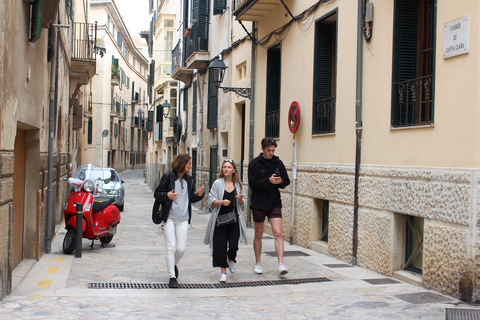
216	193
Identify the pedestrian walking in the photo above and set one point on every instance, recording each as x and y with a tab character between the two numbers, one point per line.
266	174
227	224
176	194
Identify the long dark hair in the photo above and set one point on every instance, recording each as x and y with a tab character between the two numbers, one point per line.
235	177
179	162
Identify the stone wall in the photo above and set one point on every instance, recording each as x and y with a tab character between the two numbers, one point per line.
6	217
447	200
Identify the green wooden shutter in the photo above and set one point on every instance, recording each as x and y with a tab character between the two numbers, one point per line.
150	121
194	107
274	77
323	67
404	56
203	23
219	6
36	20
90	128
212	105
213	164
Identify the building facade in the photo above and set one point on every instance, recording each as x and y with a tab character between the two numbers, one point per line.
117	125
47	56
386	170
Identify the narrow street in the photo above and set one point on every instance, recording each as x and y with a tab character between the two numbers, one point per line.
61	286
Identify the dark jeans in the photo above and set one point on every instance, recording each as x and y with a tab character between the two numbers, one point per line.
223	236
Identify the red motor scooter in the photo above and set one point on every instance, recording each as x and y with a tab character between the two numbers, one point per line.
100	215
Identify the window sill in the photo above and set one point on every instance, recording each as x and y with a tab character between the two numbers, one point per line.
412	127
323	134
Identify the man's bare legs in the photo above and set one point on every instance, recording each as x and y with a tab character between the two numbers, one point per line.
276	224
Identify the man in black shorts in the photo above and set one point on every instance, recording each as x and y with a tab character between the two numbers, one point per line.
267	173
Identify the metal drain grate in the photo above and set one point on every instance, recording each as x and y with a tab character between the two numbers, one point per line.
289	254
422	297
125	285
338	265
381	281
462	314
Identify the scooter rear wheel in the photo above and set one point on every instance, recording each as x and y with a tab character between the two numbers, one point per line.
106	239
69	241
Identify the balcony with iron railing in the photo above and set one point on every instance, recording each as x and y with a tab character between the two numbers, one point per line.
115	108
83	59
179	71
324	116
196	55
253	10
413	102
273	124
123	113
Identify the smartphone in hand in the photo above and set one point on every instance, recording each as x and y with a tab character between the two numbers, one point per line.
277	173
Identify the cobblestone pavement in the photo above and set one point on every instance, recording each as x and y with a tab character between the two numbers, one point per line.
56	287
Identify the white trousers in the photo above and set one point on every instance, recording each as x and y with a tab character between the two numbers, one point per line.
175	233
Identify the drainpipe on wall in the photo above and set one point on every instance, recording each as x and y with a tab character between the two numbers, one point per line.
252	118
358	127
51	134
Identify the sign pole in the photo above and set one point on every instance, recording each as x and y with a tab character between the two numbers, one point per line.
293	125
294	178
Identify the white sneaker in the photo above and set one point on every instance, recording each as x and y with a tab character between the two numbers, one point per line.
282	269
258	268
231	266
223	277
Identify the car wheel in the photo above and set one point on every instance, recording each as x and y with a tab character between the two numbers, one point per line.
69	241
106	239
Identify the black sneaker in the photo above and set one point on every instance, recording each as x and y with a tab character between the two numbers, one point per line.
176	272
173	283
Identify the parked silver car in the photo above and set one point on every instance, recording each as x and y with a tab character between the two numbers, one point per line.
114	189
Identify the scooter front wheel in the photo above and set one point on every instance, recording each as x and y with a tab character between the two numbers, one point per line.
69	241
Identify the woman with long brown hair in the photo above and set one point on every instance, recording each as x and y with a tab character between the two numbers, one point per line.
226	200
176	194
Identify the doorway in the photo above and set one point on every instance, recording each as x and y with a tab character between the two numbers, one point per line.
18	198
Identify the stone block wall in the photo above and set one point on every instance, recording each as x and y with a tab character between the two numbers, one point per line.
6	217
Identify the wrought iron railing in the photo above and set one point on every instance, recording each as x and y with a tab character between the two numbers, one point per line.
324	116
83	40
273	124
238	3
195	42
413	102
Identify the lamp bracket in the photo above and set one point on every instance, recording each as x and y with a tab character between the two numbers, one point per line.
244	92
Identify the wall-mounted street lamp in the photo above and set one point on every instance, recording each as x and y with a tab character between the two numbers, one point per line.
217	72
166	110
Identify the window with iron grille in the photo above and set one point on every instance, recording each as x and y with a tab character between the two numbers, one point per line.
413	62
212	105
194	107
324	76
274	73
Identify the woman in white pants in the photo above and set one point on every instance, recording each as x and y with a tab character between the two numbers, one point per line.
176	194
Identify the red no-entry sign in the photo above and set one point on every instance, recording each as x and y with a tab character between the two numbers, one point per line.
294	117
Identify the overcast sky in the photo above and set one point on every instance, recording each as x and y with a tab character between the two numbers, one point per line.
134	14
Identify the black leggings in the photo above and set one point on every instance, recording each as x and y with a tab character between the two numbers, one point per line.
222	235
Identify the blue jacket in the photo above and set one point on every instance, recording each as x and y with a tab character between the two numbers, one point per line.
167	184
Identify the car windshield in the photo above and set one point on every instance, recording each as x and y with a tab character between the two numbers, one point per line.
98	173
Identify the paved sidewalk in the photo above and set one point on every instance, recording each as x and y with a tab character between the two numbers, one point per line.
56	287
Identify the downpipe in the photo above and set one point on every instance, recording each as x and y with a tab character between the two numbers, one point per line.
359	128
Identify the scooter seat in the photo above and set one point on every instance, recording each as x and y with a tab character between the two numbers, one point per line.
101	203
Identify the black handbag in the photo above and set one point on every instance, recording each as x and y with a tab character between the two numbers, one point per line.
157	212
227	218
